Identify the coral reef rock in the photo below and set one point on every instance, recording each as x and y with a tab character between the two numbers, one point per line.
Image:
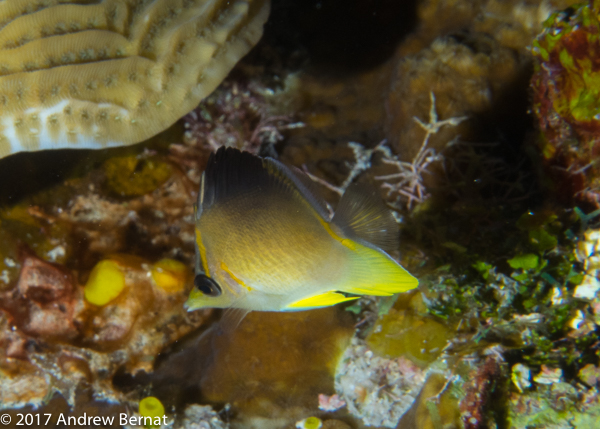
556	405
377	390
468	74
267	359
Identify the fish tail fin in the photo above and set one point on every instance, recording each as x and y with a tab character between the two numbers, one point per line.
368	225
373	272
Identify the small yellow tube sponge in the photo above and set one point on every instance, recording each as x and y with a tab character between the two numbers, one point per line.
152	407
310	423
105	283
170	275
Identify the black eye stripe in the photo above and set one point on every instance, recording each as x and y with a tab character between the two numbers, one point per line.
206	285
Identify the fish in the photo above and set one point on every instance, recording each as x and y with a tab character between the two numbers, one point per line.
265	242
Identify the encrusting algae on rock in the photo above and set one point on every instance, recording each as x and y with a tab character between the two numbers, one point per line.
118	322
273	364
113	72
407	331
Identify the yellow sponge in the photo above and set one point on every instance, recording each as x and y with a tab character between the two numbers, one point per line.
152	407
170	275
105	283
310	423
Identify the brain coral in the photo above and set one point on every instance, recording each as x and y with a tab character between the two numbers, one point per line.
93	74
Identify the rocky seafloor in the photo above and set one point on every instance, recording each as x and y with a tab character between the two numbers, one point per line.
477	120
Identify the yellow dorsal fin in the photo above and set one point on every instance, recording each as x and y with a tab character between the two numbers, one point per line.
323	300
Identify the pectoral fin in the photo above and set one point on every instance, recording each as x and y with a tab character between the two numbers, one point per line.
231	319
323	300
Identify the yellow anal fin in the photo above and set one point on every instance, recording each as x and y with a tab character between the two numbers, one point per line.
323	300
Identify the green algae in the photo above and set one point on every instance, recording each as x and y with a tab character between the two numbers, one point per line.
524	300
555	406
528	261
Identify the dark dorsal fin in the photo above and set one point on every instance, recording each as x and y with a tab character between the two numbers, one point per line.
230	173
361	214
308	188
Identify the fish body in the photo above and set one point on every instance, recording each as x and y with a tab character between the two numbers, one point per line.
265	243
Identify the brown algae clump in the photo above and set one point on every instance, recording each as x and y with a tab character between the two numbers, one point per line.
304	367
404	331
130	176
113	72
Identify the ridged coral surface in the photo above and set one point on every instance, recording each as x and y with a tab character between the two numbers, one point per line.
77	74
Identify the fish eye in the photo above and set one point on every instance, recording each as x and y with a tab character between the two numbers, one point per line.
206	285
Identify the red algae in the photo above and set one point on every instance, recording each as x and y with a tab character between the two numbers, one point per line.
565	97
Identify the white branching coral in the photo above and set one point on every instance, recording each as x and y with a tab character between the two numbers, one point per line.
362	163
407	184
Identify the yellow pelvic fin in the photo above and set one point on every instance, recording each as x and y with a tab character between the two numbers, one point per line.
323	300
